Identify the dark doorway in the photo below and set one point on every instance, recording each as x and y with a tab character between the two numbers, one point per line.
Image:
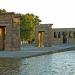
64	40
2	37
64	37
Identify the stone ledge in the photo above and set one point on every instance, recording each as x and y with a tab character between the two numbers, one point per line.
34	52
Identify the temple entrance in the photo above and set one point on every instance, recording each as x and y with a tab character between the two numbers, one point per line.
40	39
2	37
64	38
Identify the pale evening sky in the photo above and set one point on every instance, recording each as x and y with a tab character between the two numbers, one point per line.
59	12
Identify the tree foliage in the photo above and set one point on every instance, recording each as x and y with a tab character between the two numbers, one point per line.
28	24
2	10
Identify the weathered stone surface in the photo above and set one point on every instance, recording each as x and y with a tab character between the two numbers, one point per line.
48	38
11	24
46	29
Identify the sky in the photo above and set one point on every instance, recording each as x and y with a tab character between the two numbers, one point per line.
60	13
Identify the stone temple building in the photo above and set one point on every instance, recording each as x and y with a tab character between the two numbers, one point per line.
9	43
34	61
9	31
46	36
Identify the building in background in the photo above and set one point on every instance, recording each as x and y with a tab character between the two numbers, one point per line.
46	36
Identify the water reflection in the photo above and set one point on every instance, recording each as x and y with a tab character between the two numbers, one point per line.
55	64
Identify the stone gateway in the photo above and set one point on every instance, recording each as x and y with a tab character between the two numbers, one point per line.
9	31
9	42
46	36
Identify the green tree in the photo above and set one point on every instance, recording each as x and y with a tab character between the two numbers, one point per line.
28	24
2	10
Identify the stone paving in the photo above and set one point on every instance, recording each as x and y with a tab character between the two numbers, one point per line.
28	51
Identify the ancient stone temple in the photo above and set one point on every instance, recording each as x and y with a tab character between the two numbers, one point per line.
46	36
9	31
42	35
9	43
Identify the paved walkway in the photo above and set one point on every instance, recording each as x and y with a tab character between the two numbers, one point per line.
29	51
31	48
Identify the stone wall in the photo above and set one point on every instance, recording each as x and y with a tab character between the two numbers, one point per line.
70	40
46	29
11	22
48	38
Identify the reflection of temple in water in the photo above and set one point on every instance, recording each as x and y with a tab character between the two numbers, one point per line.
46	36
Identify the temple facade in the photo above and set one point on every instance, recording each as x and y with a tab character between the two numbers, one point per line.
46	36
9	31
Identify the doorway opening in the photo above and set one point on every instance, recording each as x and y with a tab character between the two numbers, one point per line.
2	37
64	37
40	38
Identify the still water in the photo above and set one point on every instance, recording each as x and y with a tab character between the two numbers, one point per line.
62	63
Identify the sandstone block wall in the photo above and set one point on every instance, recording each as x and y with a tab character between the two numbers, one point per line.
46	29
49	39
11	22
